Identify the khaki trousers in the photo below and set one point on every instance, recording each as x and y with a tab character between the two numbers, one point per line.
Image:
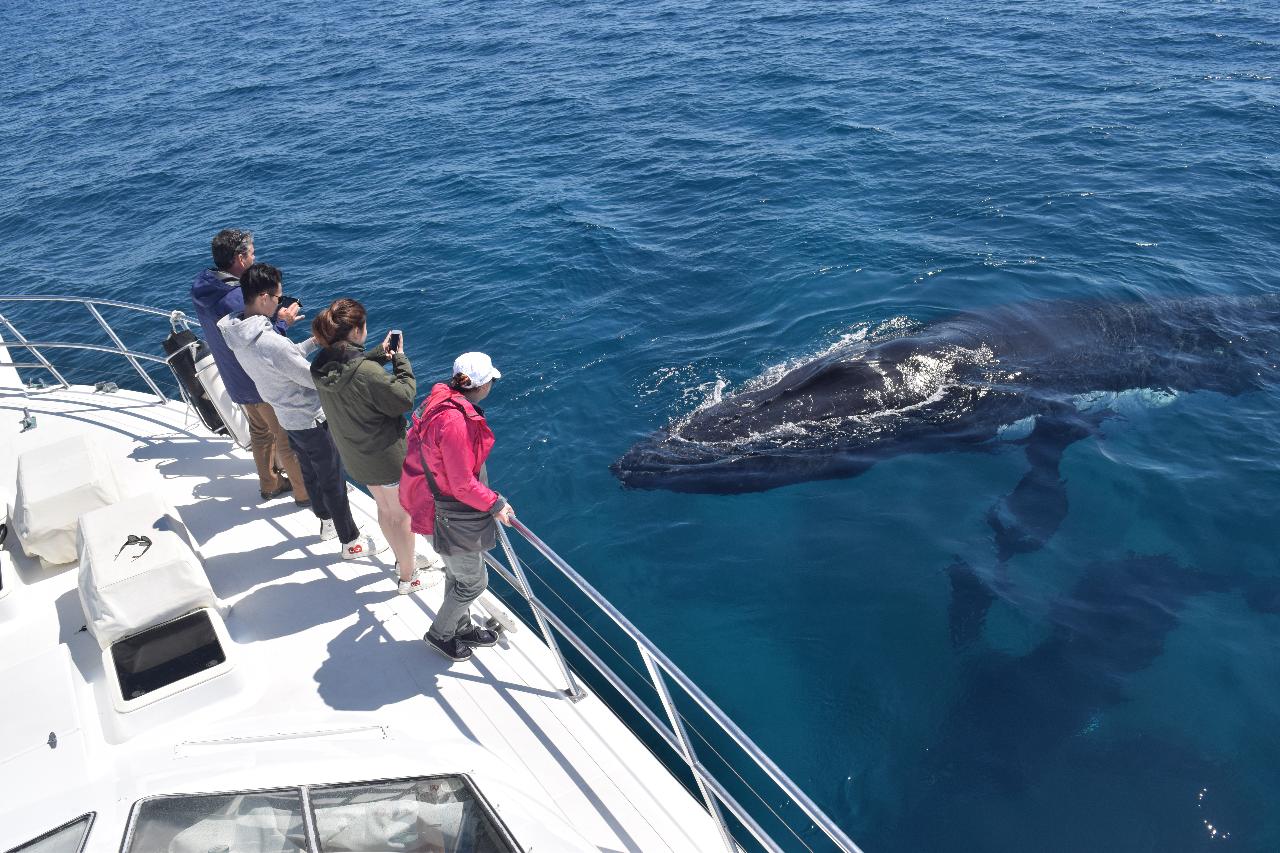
269	444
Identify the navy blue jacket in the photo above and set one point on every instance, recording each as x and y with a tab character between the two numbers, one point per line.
217	294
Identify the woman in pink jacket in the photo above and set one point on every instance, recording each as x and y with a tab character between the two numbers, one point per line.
444	487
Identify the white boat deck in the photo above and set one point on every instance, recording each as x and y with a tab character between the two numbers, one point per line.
341	686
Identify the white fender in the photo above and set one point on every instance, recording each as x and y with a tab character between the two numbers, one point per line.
232	414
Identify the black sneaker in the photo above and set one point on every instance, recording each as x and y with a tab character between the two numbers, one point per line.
451	649
477	637
284	487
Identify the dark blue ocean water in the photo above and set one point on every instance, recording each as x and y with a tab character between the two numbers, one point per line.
630	205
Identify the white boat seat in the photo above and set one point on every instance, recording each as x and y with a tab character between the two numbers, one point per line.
57	483
128	586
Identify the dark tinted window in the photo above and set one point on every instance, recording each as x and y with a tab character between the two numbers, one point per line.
166	653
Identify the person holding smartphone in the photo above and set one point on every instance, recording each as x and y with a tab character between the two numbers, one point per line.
365	407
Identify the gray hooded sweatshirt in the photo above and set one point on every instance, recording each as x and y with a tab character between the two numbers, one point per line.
277	366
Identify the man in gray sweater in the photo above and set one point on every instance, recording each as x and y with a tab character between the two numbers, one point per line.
282	374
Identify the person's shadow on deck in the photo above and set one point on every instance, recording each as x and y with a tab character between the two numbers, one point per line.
280	609
367	669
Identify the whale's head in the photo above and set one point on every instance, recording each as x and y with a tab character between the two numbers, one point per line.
828	417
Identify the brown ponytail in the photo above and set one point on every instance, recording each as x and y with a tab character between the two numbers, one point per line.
337	321
460	382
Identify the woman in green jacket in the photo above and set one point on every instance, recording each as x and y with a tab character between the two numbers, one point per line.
366	407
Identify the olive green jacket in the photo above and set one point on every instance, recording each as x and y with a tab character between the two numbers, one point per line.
365	408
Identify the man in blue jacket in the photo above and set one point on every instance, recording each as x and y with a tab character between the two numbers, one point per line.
216	293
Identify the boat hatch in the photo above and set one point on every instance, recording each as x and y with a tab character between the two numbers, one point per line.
166	654
431	814
68	838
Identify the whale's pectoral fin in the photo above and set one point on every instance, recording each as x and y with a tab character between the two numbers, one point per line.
1024	519
971	598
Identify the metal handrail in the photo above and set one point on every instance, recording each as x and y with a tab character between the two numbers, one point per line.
17	339
639	706
31	345
85	300
657	663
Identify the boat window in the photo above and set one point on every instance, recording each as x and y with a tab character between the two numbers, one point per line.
440	814
167	653
434	814
68	838
264	821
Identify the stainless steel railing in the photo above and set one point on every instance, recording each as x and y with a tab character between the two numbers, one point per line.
658	665
660	670
15	339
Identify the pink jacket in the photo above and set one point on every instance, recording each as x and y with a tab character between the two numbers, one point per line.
455	444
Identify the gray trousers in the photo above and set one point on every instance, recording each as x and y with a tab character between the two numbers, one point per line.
465	577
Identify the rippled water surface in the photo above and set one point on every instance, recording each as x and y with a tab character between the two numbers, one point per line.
635	207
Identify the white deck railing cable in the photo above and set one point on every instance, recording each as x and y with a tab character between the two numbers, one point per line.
652	719
654	658
640	706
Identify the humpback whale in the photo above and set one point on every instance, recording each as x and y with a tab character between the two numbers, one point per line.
958	383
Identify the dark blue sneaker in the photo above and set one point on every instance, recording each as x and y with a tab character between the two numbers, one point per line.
477	637
451	649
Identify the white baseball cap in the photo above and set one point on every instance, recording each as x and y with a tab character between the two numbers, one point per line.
477	367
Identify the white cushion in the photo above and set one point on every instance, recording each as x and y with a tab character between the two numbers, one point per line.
57	483
127	591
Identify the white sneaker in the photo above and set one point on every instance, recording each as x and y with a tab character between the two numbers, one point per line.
413	584
327	530
421	562
361	547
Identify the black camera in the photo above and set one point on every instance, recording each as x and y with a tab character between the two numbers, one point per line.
286	301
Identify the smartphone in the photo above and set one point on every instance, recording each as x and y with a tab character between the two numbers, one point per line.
394	343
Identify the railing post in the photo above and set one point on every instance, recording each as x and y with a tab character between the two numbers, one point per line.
125	351
23	339
686	747
572	690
